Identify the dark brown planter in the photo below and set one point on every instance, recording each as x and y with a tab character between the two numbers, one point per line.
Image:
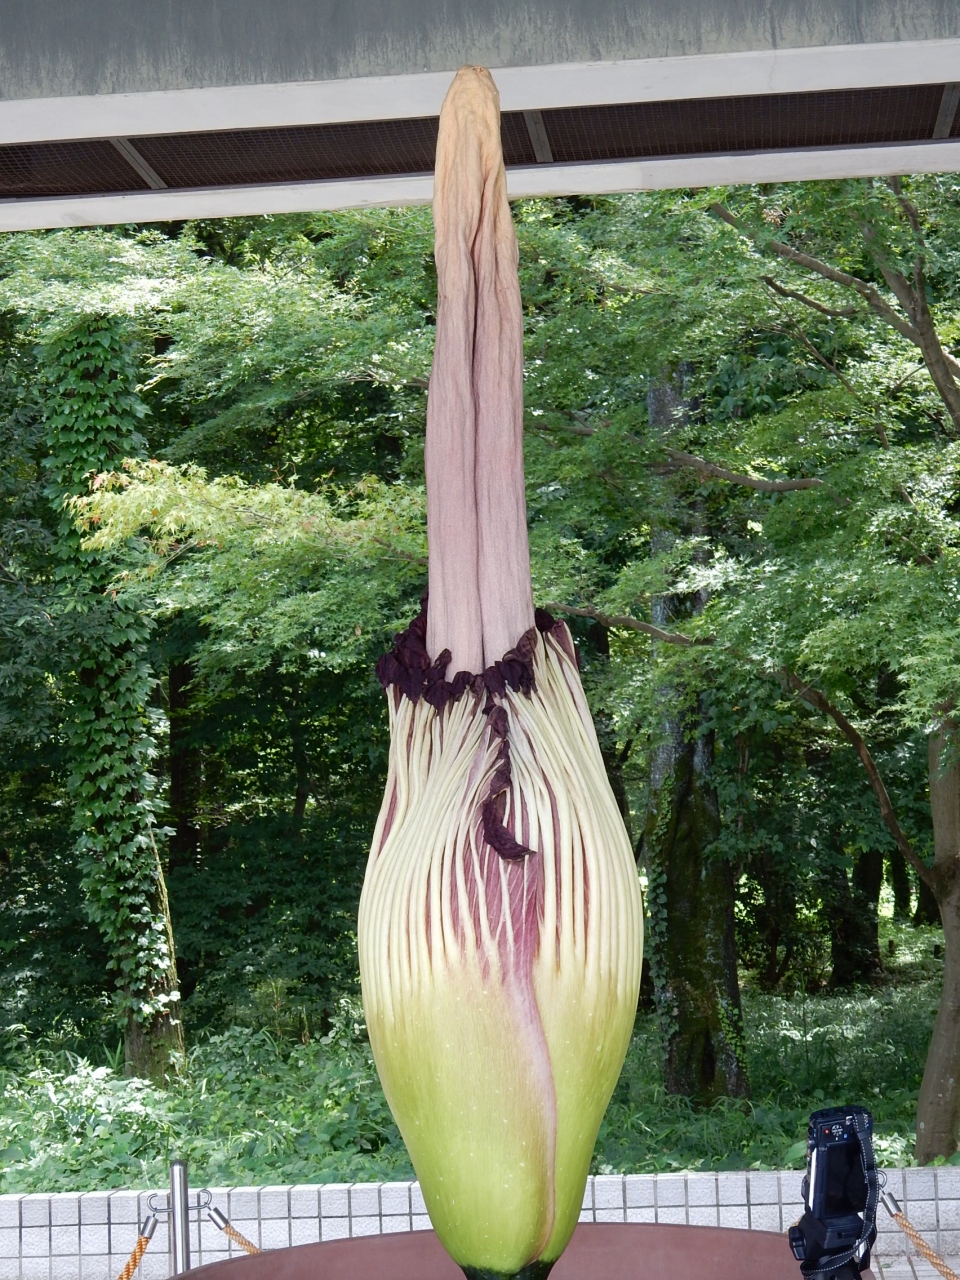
613	1251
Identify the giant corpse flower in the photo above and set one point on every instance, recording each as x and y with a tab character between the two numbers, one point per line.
500	921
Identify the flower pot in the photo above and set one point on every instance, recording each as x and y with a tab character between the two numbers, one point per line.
611	1251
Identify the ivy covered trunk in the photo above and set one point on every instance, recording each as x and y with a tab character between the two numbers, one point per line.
92	412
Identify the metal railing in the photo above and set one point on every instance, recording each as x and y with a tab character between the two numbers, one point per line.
178	1211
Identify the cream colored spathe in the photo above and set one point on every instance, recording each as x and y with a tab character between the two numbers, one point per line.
500	921
499	1050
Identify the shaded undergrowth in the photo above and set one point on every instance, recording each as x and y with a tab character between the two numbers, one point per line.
253	1107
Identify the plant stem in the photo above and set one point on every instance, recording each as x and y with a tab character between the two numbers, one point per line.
534	1271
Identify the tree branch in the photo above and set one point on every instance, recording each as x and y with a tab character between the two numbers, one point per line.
394	553
822	359
631	624
899	286
734	477
895	386
822	703
866	291
683	459
841	313
910	210
919	329
572	427
382	377
810	695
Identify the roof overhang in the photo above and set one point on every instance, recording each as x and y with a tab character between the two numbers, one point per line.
141	151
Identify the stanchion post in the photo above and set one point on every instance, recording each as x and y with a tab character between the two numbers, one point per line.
179	1220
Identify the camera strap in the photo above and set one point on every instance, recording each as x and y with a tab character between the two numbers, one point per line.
827	1267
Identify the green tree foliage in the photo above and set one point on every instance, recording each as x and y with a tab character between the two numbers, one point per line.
272	533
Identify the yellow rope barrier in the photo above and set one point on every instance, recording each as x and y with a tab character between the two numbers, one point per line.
912	1234
220	1220
244	1243
139	1249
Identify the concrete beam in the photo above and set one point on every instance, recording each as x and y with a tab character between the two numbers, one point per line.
66	48
525	88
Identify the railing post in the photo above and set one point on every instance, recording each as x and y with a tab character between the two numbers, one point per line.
179	1220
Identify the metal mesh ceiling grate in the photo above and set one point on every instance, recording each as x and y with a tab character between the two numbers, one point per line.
694	127
517	147
575	134
65	168
312	152
309	153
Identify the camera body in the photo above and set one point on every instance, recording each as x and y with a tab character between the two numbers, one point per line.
832	1239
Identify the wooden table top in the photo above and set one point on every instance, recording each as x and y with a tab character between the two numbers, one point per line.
609	1251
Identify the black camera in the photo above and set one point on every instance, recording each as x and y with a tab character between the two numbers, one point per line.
841	1190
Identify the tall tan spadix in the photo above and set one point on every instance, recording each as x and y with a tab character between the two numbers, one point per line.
500	923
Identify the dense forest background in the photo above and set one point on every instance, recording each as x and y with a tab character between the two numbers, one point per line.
742	420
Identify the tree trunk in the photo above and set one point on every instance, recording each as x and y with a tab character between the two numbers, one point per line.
899	878
928	909
776	920
938	1108
692	943
868	878
123	875
693	951
775	969
185	768
854	927
91	416
155	1050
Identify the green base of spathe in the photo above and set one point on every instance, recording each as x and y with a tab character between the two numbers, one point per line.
533	1271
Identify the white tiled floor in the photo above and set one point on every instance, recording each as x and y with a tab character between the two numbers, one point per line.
909	1269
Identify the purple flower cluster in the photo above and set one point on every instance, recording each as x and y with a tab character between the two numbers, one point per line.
408	666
